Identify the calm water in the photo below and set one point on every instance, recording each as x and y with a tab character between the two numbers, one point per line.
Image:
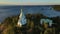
6	11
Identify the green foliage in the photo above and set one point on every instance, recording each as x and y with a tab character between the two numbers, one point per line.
11	22
56	7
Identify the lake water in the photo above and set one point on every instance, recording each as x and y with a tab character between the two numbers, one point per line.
7	11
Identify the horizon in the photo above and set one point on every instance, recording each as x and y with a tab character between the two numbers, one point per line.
7	11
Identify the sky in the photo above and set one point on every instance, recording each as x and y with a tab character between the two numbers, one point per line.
29	2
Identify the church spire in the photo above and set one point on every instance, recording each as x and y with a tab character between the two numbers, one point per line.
20	18
20	14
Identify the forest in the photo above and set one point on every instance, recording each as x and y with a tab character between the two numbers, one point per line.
33	26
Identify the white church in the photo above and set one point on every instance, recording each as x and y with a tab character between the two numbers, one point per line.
22	19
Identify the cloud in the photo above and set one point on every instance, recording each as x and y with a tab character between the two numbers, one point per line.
29	3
